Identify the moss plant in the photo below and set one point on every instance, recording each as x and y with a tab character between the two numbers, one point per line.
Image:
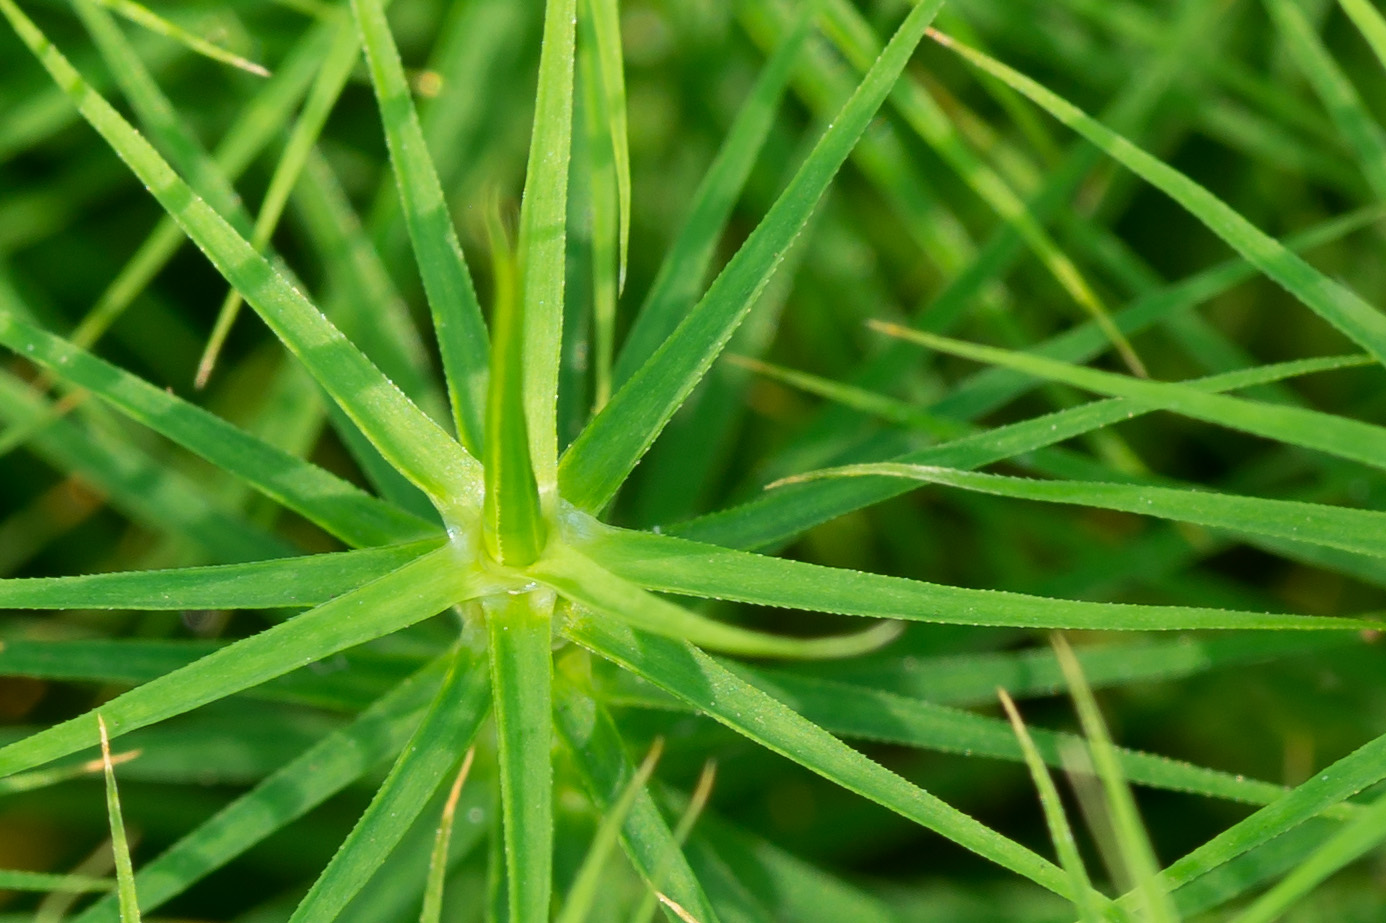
558	549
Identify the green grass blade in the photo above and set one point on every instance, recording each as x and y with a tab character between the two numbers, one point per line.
697	679
1359	531
446	731
587	584
1331	300
1060	833
343	510
676	285
582	896
304	581
1355	123
142	16
606	29
600	202
519	627
120	845
1137	855
599	755
611	445
410	594
688	819
404	435
513	523
1334	435
1325	789
543	242
457	323
432	910
1370	23
671	565
1358	837
291	791
20	880
779	515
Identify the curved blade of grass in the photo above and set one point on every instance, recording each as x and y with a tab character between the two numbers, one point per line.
1354	840
672	565
20	880
142	16
542	248
582	896
1137	855
432	909
410	594
447	729
611	445
1060	833
1370	23
599	755
403	433
457	323
283	582
1355	123
1359	531
587	584
120	845
340	508
512	519
675	288
1334	435
606	28
294	789
519	627
700	681
1331	300
777	516
859	43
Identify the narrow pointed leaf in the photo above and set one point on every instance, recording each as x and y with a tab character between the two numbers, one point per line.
432	910
1359	531
587	584
343	510
673	565
612	444
606	27
295	788
711	689
120	844
283	582
520	629
457	323
423	764
410	594
143	16
543	239
1370	23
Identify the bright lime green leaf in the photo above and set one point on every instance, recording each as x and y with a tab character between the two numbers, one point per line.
457	323
1359	531
142	16
584	582
120	844
1370	23
519	626
673	565
19	880
419	589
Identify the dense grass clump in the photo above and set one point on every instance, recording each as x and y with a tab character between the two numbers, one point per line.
607	364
